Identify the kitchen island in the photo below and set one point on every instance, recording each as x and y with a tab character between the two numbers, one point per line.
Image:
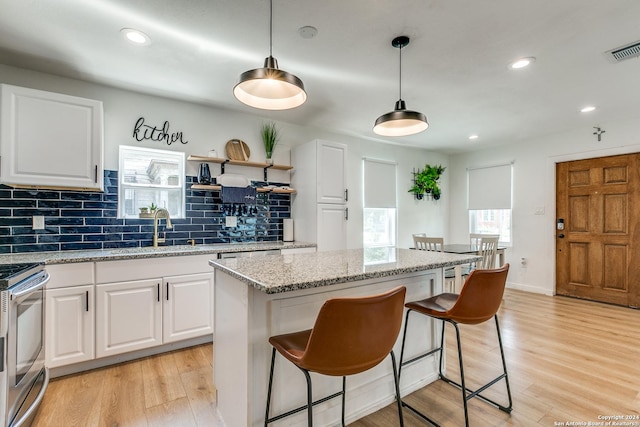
256	298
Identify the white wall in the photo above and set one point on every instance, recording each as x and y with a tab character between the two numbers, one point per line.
534	188
209	128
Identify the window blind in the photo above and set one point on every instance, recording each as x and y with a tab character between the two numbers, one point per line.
490	187
379	184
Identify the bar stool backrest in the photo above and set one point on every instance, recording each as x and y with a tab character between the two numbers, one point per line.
480	296
352	335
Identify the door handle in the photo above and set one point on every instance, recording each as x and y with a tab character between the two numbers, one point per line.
346	194
167	291
86	295
346	214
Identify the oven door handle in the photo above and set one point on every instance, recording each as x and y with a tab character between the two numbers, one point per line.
31	289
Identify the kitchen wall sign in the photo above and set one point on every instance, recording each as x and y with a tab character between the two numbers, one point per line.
142	131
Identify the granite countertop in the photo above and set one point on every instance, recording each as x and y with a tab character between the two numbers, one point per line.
291	272
63	257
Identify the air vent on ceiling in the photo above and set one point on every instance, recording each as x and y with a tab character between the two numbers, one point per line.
624	52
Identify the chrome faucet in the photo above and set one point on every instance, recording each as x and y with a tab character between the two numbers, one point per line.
160	213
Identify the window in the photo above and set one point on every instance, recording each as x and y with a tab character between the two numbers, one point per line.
148	176
379	213
490	201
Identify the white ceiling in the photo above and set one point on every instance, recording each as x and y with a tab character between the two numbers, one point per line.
455	70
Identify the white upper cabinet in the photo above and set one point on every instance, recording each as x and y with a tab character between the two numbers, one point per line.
50	140
332	172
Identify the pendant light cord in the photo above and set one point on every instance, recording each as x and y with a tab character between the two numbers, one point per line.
400	85
270	27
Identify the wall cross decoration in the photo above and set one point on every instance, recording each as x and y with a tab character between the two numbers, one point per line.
599	132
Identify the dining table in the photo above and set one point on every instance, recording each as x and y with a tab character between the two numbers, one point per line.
466	248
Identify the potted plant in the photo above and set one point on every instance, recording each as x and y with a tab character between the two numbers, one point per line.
270	137
426	182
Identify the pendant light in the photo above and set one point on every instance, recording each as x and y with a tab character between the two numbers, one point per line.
269	88
400	122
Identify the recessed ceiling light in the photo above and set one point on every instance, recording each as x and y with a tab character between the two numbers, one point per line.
135	36
473	136
522	62
308	32
587	109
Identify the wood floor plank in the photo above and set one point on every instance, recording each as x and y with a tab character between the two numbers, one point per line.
171	414
123	397
162	382
201	394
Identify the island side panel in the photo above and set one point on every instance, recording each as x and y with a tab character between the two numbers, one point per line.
231	349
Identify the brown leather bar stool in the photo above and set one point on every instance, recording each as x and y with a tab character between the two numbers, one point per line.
350	335
478	302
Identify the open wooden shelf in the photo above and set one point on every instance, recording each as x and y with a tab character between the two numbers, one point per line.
220	160
259	189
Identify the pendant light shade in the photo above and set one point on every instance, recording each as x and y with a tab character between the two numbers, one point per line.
270	88
400	122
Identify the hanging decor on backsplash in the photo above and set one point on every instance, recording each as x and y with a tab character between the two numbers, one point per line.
142	131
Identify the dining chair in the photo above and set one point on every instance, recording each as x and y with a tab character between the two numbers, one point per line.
487	249
434	244
474	238
417	235
478	301
350	335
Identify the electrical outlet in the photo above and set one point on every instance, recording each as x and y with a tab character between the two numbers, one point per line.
231	221
38	222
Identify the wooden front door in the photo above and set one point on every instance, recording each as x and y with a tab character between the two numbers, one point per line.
598	251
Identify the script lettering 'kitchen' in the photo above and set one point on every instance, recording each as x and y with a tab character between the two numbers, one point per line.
142	131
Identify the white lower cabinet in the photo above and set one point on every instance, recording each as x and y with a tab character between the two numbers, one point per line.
100	309
187	310
147	313
128	316
71	340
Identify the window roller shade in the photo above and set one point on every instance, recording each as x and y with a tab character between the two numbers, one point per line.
490	188
380	184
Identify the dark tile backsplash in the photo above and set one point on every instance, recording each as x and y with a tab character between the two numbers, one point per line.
87	220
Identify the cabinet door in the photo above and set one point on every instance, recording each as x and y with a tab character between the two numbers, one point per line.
332	170
187	307
332	227
50	140
128	316
70	325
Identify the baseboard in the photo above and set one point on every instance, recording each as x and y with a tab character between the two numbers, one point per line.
125	357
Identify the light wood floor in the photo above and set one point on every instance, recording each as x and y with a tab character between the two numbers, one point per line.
568	360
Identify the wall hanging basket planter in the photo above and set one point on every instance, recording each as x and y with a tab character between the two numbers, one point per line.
425	182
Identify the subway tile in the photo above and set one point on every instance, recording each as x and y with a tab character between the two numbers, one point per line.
50	247
121	244
80	246
63	221
59	238
17	240
102	237
81	230
81	212
59	204
35	194
77	195
16	203
104	221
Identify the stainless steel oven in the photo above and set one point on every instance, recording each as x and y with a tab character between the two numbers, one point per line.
23	376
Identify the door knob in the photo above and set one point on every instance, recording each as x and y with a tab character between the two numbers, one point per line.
561	236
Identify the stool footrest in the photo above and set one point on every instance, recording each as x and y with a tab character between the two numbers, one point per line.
422	356
302	408
420	414
476	393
